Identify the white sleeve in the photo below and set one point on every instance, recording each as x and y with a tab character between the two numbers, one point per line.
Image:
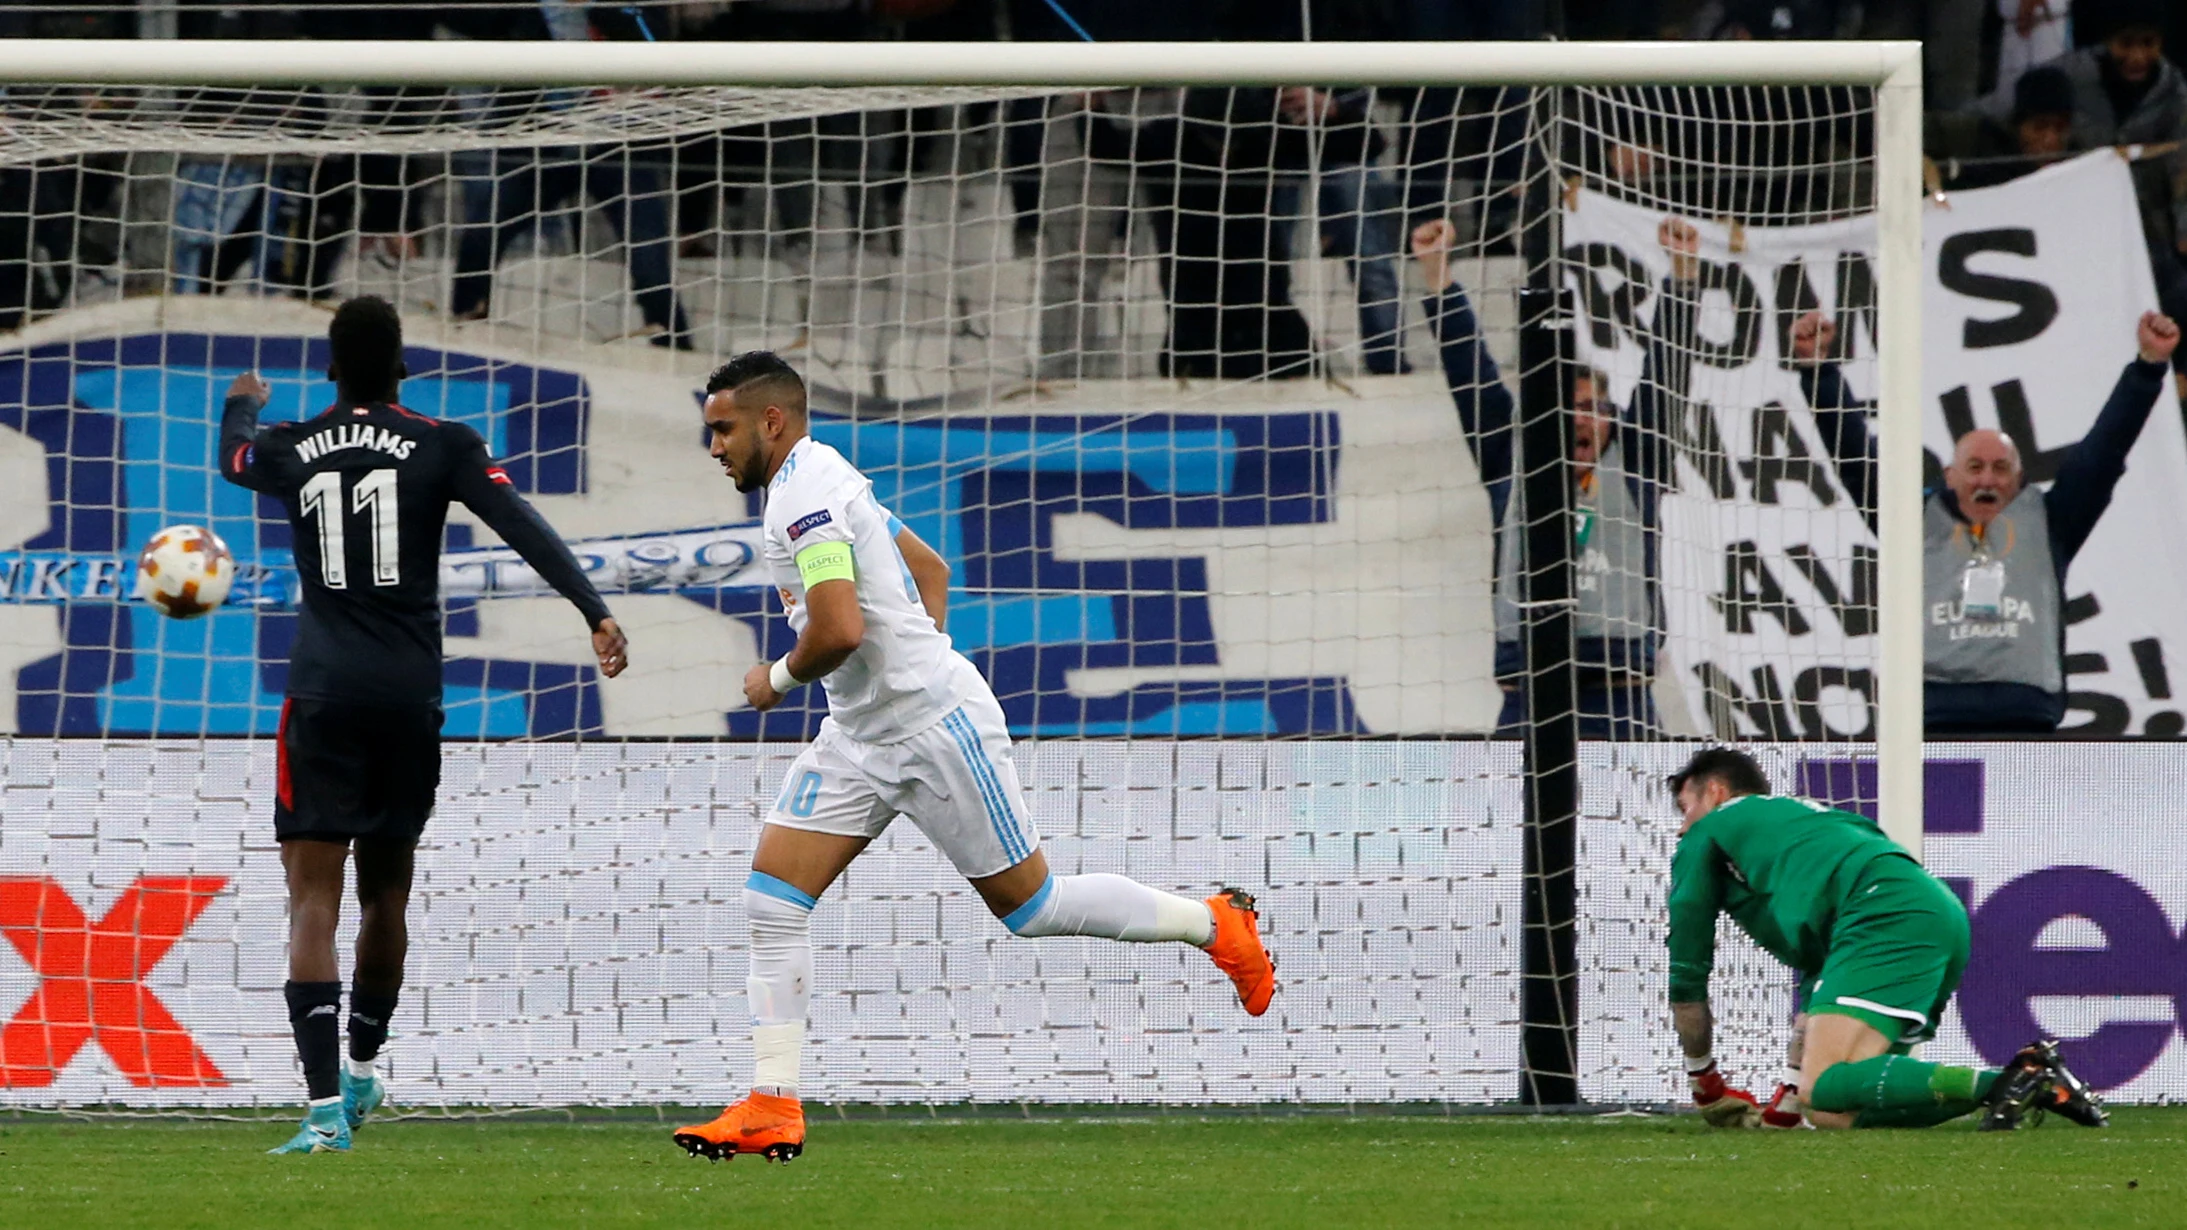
811	514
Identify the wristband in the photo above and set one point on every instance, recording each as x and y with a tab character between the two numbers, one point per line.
780	678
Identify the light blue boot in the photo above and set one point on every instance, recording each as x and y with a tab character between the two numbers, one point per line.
324	1131
360	1097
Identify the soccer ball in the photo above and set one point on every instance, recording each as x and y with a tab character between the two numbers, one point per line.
185	571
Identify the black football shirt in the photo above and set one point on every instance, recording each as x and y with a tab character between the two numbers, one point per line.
367	488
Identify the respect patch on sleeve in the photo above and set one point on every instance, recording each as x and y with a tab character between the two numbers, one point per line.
810	521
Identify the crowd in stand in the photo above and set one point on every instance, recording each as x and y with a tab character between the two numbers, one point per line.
1219	176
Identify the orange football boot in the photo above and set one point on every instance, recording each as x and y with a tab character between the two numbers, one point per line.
763	1123
1236	947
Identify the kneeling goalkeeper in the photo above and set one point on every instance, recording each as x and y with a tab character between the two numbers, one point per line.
1825	890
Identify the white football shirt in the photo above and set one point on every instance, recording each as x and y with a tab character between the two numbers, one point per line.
905	675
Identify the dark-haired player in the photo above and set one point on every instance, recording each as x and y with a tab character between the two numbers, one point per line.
1824	890
367	485
912	729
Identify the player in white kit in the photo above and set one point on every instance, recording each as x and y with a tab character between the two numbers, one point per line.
912	729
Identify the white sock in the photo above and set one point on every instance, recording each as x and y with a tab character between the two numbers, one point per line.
358	1069
779	986
1112	907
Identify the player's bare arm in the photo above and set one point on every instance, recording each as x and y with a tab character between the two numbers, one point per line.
930	572
835	631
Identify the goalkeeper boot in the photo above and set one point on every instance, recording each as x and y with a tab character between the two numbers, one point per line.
2020	1092
324	1131
1236	947
360	1097
2070	1096
763	1123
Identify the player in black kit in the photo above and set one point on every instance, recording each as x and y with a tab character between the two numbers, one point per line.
367	486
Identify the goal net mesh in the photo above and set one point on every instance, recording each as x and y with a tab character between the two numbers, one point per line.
1213	423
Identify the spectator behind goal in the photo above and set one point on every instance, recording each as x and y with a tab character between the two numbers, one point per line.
1995	551
1620	466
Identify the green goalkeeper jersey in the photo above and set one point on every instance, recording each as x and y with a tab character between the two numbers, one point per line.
1780	866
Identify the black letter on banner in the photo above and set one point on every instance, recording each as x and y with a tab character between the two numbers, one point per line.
1807	692
1609	311
1725	703
1694	433
1751	589
1856	302
1795	298
2016	419
2108	714
1781	456
2038	307
1856	614
1746	315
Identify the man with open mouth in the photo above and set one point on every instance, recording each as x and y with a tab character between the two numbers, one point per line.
1995	549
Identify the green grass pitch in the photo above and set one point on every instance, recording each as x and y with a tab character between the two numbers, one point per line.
1227	1172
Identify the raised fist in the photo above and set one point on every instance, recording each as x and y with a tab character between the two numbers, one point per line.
2157	336
248	384
1812	335
1431	243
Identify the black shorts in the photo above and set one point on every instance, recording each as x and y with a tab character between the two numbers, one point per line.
347	771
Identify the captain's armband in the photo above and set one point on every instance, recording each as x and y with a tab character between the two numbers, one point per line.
826	561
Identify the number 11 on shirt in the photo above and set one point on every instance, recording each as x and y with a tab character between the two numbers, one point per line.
321	500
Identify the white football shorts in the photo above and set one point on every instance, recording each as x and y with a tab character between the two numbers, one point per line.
955	779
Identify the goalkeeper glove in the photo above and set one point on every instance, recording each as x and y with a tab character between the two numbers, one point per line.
1721	1105
1783	1110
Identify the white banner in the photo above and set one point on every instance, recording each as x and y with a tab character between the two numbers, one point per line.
579	939
578	934
2028	315
2031	294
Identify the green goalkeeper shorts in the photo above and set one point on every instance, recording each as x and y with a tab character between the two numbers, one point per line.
1896	952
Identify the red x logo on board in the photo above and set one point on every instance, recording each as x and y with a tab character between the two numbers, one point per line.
91	981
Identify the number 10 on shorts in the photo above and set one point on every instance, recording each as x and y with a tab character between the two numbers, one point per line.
802	796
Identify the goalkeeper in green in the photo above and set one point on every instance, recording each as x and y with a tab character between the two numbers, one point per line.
1880	943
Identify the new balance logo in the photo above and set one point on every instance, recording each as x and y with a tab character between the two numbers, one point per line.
322	1010
91	981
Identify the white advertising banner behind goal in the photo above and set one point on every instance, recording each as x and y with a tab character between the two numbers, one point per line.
578	937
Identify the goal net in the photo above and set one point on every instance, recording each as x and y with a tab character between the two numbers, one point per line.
1215	398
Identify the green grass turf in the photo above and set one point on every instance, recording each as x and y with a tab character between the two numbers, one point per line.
1329	1171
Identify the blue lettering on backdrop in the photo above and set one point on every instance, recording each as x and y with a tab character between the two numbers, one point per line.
128	427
